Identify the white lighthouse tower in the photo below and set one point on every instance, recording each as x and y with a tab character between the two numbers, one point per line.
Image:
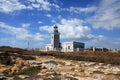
55	38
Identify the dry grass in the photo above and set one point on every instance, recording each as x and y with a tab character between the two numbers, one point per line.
104	57
10	49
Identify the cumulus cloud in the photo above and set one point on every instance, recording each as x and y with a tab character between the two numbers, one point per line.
35	5
40	22
8	6
75	30
53	21
70	29
31	0
25	25
43	5
48	15
102	41
79	9
107	15
21	33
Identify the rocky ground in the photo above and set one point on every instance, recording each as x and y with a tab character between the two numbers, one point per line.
51	68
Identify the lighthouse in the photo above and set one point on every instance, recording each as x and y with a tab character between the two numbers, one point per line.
55	38
55	44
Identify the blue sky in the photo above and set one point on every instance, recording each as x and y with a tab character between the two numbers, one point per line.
94	22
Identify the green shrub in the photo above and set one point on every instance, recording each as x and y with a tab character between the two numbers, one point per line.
29	71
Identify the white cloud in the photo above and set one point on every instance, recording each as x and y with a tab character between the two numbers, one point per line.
48	15
21	33
9	6
31	0
46	28
40	22
25	25
79	9
70	29
38	37
102	41
107	15
75	30
53	21
18	32
35	5
44	5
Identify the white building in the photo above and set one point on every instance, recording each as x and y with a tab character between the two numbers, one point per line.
63	47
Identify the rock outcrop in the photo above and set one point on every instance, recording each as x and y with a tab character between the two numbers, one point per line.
58	69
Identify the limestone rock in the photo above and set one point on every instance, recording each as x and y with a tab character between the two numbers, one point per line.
50	65
6	78
68	63
116	71
23	76
90	63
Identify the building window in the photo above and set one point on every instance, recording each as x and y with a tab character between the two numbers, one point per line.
68	47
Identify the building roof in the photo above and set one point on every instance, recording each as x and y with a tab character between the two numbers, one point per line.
71	42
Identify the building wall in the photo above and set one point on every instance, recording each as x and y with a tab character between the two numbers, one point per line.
72	46
67	47
78	46
48	47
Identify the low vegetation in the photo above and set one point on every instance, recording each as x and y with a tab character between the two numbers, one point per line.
98	72
29	71
104	57
11	49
